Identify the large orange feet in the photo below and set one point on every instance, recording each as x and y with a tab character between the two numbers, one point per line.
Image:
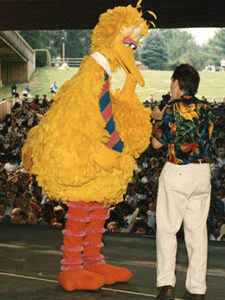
80	280
112	274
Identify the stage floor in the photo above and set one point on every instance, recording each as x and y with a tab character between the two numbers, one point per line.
30	261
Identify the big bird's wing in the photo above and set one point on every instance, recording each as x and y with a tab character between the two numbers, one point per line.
67	142
132	118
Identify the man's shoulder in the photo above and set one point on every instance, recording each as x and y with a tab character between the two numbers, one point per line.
189	100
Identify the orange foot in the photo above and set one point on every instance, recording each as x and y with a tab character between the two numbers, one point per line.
111	273
80	280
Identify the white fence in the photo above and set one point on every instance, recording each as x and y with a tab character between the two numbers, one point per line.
71	62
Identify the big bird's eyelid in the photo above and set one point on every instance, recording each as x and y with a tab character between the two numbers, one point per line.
131	45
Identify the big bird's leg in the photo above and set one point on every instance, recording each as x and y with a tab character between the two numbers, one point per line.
93	260
72	276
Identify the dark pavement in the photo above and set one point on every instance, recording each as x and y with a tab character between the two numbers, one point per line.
30	262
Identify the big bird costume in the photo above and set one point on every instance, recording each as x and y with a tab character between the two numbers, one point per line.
83	150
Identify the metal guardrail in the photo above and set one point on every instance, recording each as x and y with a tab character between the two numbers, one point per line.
71	62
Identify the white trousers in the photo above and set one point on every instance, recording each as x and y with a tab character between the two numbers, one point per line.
183	195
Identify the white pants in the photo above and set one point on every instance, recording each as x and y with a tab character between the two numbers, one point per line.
183	195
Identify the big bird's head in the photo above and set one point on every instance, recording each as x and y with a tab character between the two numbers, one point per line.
117	36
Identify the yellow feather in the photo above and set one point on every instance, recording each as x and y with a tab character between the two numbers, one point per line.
139	4
153	24
61	150
39	115
153	14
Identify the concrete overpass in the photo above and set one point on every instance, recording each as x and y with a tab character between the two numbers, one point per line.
17	58
74	14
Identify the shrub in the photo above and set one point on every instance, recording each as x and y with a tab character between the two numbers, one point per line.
43	57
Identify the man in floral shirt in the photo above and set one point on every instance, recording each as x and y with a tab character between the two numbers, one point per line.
185	127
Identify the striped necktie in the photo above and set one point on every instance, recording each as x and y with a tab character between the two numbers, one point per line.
114	142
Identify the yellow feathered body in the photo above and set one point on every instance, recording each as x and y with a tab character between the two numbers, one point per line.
61	149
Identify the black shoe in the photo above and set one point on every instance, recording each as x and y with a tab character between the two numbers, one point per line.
190	296
166	293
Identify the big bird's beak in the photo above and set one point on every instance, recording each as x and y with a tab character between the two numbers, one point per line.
125	57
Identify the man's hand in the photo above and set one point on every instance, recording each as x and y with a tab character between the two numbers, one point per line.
157	113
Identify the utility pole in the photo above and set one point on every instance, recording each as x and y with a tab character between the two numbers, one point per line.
63	38
63	52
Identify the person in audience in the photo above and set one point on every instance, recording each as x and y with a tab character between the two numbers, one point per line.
152	217
4	218
221	158
11	166
113	227
27	92
141	228
59	220
31	218
18	216
47	215
54	88
13	89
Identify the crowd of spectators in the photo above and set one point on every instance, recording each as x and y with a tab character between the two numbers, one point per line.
21	199
23	202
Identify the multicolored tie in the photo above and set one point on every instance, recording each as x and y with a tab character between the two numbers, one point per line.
115	142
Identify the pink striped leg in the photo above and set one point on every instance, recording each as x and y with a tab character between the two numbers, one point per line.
72	276
93	260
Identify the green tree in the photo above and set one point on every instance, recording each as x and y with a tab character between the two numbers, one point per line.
78	43
182	48
195	57
153	51
43	39
215	48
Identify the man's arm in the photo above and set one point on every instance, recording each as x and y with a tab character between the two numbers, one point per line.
156	115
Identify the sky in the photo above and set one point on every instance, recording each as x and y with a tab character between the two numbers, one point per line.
202	35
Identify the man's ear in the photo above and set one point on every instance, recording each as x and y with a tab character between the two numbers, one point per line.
177	85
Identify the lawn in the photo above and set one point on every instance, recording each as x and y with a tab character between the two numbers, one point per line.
156	83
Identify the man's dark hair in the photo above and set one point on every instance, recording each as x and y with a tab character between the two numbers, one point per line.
141	224
23	214
3	203
142	203
187	77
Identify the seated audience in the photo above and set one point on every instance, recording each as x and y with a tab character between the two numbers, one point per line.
22	200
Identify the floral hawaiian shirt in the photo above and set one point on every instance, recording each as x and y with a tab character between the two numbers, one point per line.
186	130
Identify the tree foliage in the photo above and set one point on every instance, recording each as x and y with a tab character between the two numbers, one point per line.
164	49
215	48
77	42
161	49
182	48
43	39
153	51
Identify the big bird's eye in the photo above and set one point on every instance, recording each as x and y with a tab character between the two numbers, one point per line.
132	46
130	43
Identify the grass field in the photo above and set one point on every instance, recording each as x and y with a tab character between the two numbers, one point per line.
156	83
